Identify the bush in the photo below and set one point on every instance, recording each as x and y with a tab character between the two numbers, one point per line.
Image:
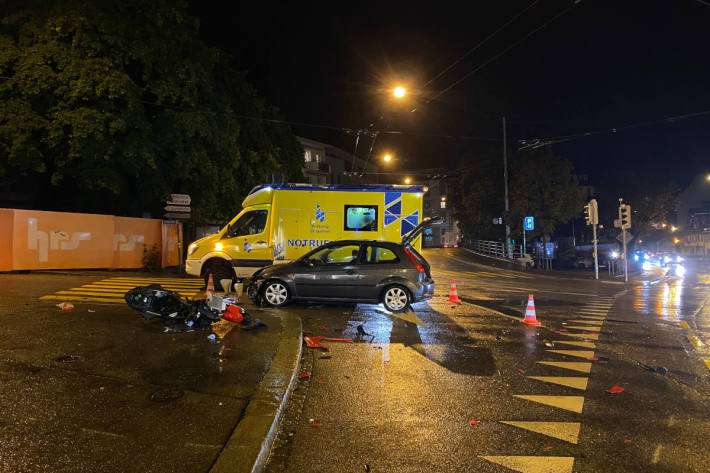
152	260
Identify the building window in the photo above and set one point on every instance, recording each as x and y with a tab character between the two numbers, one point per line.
316	157
307	155
443	204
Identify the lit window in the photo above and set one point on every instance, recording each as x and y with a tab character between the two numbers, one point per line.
443	204
308	155
361	218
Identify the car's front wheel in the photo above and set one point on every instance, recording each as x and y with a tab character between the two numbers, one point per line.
275	293
396	298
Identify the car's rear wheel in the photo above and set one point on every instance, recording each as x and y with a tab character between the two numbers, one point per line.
396	298
275	293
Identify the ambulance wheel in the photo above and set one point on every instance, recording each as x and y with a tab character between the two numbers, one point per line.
219	271
396	298
275	293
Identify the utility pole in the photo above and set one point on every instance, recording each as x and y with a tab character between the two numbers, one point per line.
505	180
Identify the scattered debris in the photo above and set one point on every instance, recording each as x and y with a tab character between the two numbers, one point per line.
347	377
66	358
323	327
615	390
311	420
474	422
549	447
234	313
498	337
166	395
653	369
314	342
366	467
307	332
549	344
66	306
252	325
361	331
317	425
592	358
627	440
521	370
212	336
303	375
325	357
321	381
91	310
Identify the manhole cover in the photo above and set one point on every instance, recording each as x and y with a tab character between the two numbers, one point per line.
166	395
66	358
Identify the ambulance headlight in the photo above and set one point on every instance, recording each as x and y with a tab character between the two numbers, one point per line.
191	249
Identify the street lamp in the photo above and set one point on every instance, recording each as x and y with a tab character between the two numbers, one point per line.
707	178
387	158
399	92
407	180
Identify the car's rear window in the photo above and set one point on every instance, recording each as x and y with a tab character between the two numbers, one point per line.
379	254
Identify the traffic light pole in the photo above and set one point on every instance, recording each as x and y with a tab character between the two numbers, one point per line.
596	253
626	260
508	248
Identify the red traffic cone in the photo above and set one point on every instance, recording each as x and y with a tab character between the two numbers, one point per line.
453	295
530	317
210	287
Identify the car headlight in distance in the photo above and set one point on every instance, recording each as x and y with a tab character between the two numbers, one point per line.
646	266
666	259
678	259
679	271
191	249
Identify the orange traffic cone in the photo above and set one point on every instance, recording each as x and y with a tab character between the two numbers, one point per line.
530	317
453	295
210	287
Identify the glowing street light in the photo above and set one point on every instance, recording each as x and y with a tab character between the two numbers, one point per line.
399	92
387	158
707	178
407	180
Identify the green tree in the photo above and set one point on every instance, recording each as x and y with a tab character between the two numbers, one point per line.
110	105
542	185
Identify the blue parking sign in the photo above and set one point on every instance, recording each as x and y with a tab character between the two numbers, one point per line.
529	223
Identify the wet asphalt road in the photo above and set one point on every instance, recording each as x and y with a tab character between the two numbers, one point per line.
400	399
99	388
403	399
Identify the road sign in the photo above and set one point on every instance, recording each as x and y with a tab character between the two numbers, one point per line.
178	215
620	236
529	223
177	208
497	220
179	199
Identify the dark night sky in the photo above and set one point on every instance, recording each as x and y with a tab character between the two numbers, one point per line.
601	65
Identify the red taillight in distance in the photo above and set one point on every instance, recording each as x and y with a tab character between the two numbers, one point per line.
414	261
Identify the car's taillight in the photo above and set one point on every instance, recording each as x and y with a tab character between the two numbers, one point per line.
414	261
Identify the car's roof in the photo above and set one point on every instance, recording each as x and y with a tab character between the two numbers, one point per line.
359	242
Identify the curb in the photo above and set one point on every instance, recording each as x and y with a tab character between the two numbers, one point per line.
247	449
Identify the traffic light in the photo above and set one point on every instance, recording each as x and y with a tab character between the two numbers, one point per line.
625	215
591	212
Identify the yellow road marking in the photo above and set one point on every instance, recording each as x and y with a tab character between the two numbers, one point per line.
707	363
684	324
581	335
576	382
579	353
79	292
195	280
578	327
569	403
81	299
590	317
695	341
576	344
89	287
582	367
534	464
567	431
588	322
143	283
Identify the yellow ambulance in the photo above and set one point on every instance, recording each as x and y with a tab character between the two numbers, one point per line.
282	222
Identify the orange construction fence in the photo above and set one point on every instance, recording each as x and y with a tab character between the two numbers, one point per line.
33	239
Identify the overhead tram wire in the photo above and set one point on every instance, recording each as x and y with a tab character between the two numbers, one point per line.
481	43
514	44
539	143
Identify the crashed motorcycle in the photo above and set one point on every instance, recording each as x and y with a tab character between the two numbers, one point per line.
154	301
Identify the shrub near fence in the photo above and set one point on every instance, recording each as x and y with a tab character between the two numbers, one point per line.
33	239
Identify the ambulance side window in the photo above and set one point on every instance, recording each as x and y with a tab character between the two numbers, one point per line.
360	218
251	223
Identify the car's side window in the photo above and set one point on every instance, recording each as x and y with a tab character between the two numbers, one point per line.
378	254
336	255
251	223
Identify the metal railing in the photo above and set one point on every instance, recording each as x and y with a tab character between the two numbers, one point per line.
494	248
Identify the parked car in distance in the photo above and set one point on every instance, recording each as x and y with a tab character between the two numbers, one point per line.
367	271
